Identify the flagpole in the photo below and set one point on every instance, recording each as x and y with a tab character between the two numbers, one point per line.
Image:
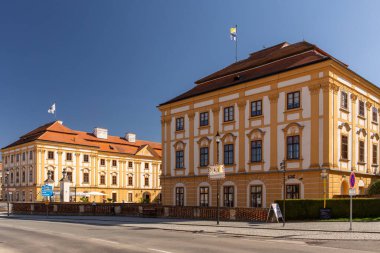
236	44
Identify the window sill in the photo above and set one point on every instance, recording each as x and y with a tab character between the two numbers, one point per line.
179	168
344	160
362	163
256	117
293	110
204	127
374	122
256	163
288	160
375	165
361	117
179	131
229	122
342	109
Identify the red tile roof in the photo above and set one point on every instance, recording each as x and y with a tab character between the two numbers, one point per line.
56	132
263	63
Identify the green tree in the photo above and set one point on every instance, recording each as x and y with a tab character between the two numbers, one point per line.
374	188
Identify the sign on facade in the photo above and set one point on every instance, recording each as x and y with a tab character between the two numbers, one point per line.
216	172
47	190
352	192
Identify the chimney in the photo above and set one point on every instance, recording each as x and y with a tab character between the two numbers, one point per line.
100	133
130	137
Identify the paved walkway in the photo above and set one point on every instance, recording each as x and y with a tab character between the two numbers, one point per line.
292	230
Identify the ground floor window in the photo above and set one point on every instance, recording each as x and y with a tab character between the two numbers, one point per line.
114	197
179	196
256	196
228	192
204	196
293	191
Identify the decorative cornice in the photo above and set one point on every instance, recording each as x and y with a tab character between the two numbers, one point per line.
241	103
353	97
273	97
314	88
368	105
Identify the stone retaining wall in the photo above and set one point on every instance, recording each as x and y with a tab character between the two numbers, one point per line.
132	209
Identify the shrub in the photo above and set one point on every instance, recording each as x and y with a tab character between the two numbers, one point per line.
308	209
374	188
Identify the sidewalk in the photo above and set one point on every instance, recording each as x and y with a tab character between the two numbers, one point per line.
292	230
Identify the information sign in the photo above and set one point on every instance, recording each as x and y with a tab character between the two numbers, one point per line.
47	190
216	172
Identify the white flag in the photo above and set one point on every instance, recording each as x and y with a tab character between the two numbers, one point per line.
52	109
233	33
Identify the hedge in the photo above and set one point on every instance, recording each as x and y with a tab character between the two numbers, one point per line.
374	188
308	209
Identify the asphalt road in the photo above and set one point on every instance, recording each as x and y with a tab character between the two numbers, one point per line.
17	235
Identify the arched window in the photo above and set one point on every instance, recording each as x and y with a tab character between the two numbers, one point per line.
179	194
204	152
256	194
179	148
293	141
228	141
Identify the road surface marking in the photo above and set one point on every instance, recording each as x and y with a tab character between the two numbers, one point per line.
158	250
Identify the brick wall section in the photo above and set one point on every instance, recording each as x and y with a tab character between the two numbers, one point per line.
187	212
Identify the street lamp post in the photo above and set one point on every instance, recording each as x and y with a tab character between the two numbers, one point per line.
217	139
324	177
283	169
7	192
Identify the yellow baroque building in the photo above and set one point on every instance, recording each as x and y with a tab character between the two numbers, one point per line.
109	167
290	102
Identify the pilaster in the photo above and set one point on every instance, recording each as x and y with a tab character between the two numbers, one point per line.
314	147
191	142
273	98
353	131
368	121
77	170
215	111
241	106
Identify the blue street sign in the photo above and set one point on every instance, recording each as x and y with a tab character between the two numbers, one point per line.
352	180
47	190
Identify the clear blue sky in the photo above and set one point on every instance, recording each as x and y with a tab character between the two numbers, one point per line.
110	63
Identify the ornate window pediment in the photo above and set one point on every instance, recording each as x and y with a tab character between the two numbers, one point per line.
293	129
204	142
375	136
228	138
363	131
179	145
256	134
345	125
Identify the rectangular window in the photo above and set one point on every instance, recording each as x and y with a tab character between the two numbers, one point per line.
374	154
204	196
361	108
146	181
344	147
293	191
179	196
179	159
203	119
50	155
203	157
293	100
343	100
23	156
86	178
256	196
114	197
374	114
228	114
256	151
102	162
130	197
293	147
85	158
6	159
17	158
146	165
30	175
256	108
114	163
179	124
130	180
69	156
30	155
229	154
114	180
23	176
361	151
102	179
228	193
12	158
130	164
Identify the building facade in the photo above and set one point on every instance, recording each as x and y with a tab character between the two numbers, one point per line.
106	167
290	102
1	181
